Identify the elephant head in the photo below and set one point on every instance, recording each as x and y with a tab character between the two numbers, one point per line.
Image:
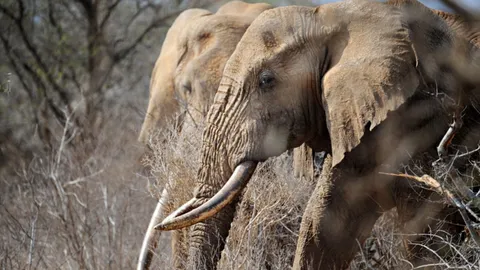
356	79
185	78
187	72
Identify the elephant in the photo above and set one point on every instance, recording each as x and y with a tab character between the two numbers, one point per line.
361	80
186	76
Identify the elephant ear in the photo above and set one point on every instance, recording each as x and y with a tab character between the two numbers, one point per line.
373	74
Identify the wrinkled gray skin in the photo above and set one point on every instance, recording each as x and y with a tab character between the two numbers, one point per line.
183	84
356	79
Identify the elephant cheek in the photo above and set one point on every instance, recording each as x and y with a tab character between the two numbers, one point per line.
275	141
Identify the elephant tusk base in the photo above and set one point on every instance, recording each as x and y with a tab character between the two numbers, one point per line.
182	218
181	210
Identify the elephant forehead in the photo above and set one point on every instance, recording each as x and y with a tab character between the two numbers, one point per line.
274	32
240	8
275	26
225	28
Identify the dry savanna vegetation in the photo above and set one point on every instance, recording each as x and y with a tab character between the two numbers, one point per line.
77	191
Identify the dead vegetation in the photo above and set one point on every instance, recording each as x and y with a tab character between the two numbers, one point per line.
59	213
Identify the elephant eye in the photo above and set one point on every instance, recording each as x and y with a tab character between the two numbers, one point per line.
266	80
187	87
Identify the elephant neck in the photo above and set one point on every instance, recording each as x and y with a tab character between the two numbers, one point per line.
318	137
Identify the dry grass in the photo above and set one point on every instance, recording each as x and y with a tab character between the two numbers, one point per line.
264	232
265	229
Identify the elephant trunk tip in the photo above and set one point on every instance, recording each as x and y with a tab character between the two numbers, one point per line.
186	215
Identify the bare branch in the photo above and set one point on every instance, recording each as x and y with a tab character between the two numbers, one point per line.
52	19
7	12
431	182
469	152
16	68
36	55
32	240
87	5
109	11
122	53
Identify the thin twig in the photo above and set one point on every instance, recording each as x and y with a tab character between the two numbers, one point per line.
431	182
32	241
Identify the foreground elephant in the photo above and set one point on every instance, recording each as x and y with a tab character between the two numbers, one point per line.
184	81
357	79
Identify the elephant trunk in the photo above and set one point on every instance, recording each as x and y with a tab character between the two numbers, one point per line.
207	239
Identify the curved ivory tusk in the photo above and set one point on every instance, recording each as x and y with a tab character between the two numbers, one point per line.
181	210
152	236
229	191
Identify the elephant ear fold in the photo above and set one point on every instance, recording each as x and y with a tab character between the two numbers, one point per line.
374	74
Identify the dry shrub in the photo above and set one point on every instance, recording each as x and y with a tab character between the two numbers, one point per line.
173	162
265	230
383	249
69	209
444	244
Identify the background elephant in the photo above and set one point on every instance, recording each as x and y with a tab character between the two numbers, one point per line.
360	80
183	84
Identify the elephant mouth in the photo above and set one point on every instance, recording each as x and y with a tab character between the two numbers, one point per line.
186	215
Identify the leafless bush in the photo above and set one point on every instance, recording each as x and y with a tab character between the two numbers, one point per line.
383	249
58	213
172	162
265	230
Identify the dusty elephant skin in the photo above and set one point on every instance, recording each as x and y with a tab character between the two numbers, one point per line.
357	79
184	81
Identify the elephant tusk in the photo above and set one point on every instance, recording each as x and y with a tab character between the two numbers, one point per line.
151	237
181	210
229	191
